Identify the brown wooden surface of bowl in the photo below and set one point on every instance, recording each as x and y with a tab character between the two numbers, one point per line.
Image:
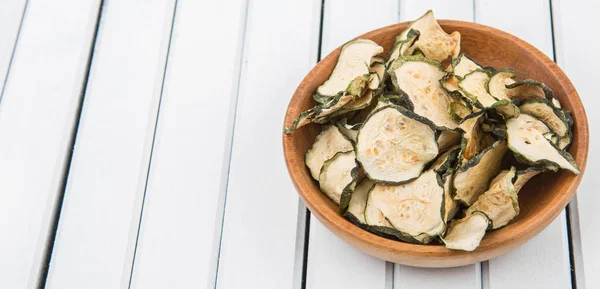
541	200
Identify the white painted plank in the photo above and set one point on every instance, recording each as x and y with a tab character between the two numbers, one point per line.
442	9
467	277
570	18
98	224
331	262
11	13
261	211
37	114
180	228
543	262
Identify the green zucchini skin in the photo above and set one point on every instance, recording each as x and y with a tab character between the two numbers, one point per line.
557	112
397	98
381	231
531	82
348	190
306	115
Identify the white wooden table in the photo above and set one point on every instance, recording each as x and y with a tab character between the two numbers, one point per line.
140	145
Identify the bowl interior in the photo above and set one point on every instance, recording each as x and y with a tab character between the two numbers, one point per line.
541	200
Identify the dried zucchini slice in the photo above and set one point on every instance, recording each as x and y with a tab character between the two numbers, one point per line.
394	144
473	177
445	161
564	142
499	203
302	119
466	234
433	42
497	84
358	201
400	99
463	65
474	86
354	61
328	143
473	139
338	178
523	176
459	111
543	110
403	47
528	89
451	206
377	59
448	139
531	147
419	78
450	83
379	69
349	131
325	112
414	208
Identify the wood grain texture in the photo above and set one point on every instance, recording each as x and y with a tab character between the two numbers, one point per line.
180	228
569	18
542	200
543	261
98	225
38	112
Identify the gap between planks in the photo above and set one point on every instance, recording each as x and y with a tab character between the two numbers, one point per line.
12	54
162	87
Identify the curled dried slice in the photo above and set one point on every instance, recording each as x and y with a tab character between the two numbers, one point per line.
450	83
473	177
403	47
451	206
354	60
338	178
531	147
459	111
523	176
474	140
301	120
473	86
502	85
463	65
499	203
448	139
358	201
414	208
328	143
400	99
528	89
394	144
466	234
433	42
378	69
496	86
349	131
419	78
445	161
543	110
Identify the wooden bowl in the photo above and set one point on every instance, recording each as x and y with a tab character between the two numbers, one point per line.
541	200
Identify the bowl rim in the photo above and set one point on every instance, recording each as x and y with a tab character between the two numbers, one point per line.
422	255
